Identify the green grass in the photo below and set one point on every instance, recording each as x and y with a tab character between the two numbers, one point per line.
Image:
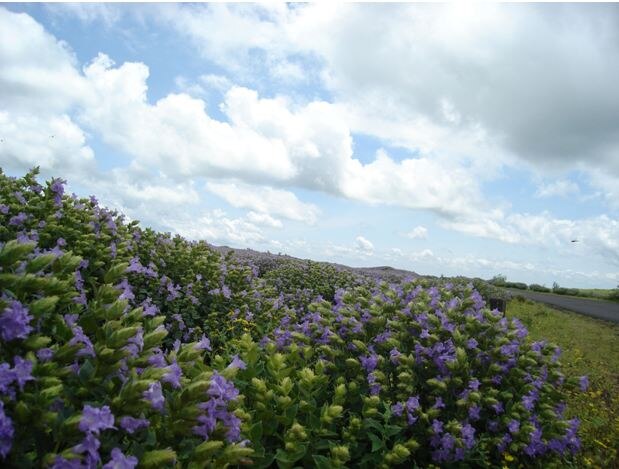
590	347
583	293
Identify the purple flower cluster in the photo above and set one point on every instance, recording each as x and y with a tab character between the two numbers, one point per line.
120	461
221	392
57	188
154	395
21	373
95	419
6	432
15	322
132	425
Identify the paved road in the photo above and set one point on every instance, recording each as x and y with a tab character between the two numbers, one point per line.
607	310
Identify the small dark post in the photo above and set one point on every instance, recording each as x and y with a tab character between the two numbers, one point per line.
498	303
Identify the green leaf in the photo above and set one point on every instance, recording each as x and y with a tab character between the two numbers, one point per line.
322	462
255	432
391	430
377	443
158	458
87	371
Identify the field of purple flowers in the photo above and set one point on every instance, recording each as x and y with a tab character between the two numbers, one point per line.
124	347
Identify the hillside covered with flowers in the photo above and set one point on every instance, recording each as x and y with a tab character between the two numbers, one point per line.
123	347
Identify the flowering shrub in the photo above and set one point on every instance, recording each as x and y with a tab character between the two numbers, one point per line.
121	346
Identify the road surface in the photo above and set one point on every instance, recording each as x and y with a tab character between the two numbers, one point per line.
607	310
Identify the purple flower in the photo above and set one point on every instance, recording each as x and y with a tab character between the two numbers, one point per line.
7	376
471	343
120	461
222	388
95	419
135	343
583	383
513	426
498	407
127	292
149	308
6	432
157	359
70	319
204	344
474	412
62	463
14	322
369	363
383	337
173	376
155	396
528	401
439	404
397	409
237	363
131	425
468	435
57	188
18	219
437	426
4	209
474	384
208	423
394	356
79	338
90	446
22	371
424	334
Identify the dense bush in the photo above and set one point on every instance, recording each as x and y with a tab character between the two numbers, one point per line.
539	288
518	285
120	345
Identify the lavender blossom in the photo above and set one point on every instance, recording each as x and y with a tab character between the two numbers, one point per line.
155	396
95	419
237	363
203	344
131	424
15	322
120	461
173	376
6	432
22	371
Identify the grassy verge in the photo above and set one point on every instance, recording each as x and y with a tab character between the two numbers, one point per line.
602	295
590	347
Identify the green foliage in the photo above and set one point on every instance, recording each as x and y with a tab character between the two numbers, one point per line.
221	362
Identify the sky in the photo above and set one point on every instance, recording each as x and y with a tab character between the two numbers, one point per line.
448	139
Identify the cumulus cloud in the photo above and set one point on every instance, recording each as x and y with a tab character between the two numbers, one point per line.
561	188
265	200
363	245
55	143
39	73
216	227
419	232
597	236
557	111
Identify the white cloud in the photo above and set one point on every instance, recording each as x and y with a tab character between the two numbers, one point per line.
363	245
463	100
597	236
561	188
265	200
89	13
216	227
55	143
419	232
38	72
264	219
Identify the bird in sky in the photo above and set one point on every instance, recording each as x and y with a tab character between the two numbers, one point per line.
574	241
